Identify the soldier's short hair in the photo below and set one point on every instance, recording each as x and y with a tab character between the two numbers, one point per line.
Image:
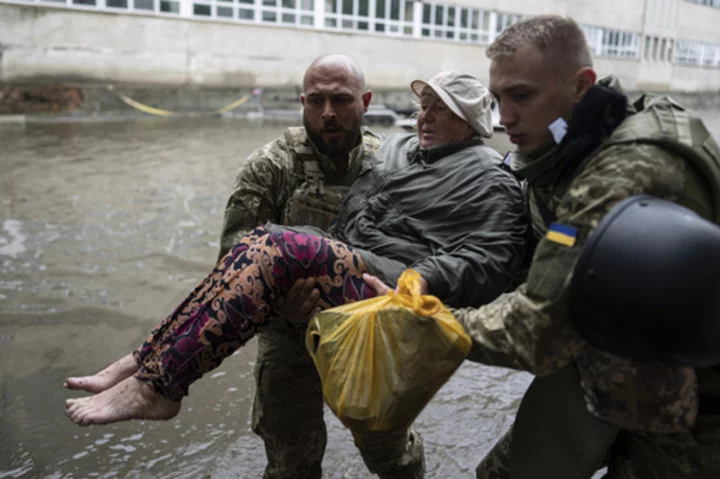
559	39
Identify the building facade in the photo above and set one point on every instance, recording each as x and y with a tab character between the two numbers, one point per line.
658	45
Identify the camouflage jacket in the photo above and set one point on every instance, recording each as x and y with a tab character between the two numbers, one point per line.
528	329
288	181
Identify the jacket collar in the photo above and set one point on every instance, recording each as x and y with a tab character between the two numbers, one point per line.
435	153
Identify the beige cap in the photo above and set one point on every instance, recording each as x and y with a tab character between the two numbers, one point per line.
464	95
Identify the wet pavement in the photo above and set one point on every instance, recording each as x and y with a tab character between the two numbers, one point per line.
104	228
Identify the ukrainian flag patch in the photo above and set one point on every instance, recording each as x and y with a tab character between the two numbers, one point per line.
562	234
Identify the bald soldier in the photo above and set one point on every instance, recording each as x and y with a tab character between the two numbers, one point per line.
301	179
298	179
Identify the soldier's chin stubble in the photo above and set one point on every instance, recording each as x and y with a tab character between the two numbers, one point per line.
325	147
314	136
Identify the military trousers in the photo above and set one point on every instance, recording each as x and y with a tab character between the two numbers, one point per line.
288	415
564	440
691	455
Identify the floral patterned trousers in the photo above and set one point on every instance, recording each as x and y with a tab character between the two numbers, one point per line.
226	309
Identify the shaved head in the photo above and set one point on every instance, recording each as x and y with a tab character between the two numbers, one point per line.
334	100
336	62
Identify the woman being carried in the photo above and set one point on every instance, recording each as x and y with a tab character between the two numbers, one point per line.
438	202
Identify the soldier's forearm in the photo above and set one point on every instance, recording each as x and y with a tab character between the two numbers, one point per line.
516	332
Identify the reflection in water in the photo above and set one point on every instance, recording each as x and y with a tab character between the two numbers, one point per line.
105	228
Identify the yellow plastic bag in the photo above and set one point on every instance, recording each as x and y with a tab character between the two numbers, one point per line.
381	360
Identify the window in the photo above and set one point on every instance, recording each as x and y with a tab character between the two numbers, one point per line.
286	12
202	10
170	6
435	21
614	43
655	46
208	8
394	17
696	53
246	9
454	22
504	20
438	20
144	5
389	17
709	3
594	37
474	26
156	6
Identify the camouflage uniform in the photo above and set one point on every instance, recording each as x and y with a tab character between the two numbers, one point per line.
652	408
289	182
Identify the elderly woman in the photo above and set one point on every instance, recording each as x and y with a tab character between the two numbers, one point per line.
438	202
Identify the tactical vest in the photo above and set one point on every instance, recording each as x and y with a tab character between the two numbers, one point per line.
659	121
314	202
663	122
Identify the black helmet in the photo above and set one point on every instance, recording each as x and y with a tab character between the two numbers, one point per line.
647	284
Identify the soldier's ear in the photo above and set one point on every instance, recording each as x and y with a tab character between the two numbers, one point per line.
366	97
302	100
584	80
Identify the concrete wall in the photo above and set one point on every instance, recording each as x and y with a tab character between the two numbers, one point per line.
625	70
695	79
699	23
661	17
655	76
40	44
616	14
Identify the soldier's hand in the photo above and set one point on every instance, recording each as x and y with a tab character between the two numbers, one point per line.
375	283
300	303
381	288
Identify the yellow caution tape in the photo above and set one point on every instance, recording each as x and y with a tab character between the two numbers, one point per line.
232	105
167	113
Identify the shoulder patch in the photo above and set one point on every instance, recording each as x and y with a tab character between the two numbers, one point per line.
562	234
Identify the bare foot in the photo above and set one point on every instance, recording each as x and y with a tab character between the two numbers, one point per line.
123	368
129	399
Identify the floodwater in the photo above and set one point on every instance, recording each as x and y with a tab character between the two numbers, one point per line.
103	230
